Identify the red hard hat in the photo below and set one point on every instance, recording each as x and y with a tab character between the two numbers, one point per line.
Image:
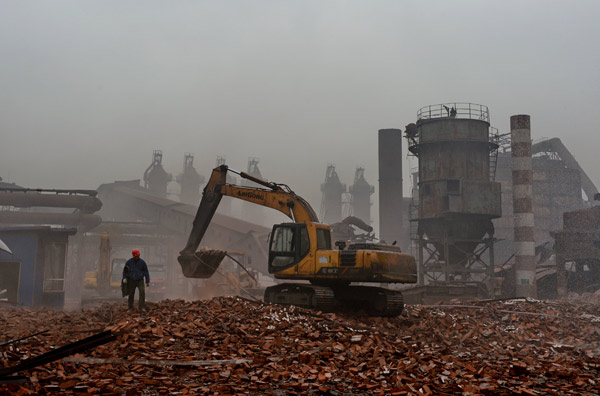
135	252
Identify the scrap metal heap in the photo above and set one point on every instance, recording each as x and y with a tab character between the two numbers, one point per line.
234	346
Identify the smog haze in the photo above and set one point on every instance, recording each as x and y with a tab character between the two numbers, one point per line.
90	89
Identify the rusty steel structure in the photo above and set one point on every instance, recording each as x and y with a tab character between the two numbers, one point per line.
456	198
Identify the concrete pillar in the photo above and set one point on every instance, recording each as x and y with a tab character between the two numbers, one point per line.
522	177
390	185
561	276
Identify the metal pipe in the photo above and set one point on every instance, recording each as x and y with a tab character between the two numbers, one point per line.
91	193
256	180
88	221
86	203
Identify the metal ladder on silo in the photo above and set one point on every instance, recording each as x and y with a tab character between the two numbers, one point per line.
493	163
495	139
413	213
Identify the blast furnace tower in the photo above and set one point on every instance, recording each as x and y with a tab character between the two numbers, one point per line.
361	192
190	181
156	178
331	204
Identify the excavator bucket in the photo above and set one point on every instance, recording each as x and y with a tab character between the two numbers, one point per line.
201	264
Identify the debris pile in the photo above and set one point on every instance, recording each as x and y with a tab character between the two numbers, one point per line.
237	346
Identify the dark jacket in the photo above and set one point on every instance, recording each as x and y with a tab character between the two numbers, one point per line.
136	270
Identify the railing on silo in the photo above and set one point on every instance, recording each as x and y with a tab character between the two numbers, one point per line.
471	111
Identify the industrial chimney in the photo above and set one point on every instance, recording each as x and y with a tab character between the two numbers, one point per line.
522	178
390	185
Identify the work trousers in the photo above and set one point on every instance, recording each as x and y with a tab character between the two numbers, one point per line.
131	285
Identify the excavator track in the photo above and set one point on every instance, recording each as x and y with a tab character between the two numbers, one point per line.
374	301
303	295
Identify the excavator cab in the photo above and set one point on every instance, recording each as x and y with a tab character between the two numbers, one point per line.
291	242
288	245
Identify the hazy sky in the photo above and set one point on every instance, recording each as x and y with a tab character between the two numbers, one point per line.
88	89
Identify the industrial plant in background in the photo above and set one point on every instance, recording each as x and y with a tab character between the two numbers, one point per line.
360	196
486	208
333	190
456	200
190	181
339	202
490	215
156	179
251	212
557	185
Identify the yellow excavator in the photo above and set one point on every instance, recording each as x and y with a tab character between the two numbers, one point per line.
106	280
302	251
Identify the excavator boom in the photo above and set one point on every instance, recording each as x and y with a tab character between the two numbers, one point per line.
204	263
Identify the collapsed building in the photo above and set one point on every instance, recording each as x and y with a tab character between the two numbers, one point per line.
39	225
559	186
159	227
64	240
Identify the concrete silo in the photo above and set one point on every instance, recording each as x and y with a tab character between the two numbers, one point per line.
457	200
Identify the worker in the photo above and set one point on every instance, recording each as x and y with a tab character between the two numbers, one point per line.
134	272
447	109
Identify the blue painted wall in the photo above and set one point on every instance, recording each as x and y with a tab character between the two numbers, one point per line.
24	246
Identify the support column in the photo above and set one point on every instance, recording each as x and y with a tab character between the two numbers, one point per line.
490	268
561	276
421	269
522	177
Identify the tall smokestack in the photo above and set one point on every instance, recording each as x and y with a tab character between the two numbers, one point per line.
390	185
522	175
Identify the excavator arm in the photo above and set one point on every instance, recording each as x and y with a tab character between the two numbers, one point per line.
203	264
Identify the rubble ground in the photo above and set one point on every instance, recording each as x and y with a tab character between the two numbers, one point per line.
233	346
